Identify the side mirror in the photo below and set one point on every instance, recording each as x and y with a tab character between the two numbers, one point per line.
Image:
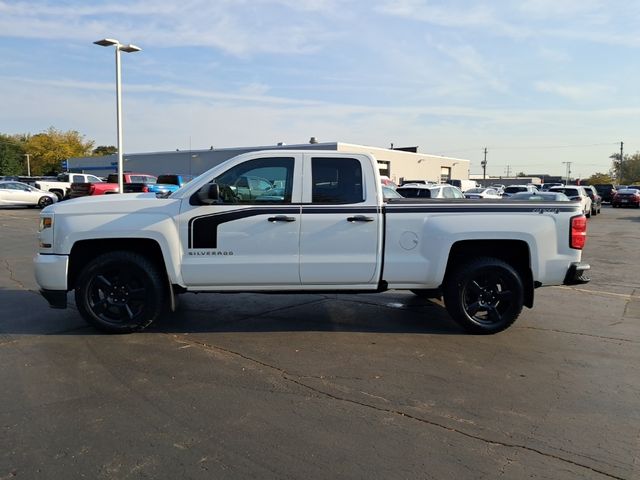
209	194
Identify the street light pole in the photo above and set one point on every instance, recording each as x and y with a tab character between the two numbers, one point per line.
28	155
107	42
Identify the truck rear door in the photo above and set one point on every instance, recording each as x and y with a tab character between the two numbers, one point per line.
341	226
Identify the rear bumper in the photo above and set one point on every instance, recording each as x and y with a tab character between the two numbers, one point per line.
577	274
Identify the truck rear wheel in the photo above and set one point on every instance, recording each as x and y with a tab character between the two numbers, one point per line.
484	296
120	292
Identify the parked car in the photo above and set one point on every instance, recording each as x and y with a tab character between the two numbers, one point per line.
21	194
482	193
596	199
606	191
464	185
547	186
142	181
540	196
387	182
61	185
388	192
418	190
626	197
498	187
511	189
404	182
576	193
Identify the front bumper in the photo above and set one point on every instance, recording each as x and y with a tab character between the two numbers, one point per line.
51	271
56	298
576	275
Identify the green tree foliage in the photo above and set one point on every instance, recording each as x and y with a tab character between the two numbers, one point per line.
630	169
12	159
600	178
48	149
104	150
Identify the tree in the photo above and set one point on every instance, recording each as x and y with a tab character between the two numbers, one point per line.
104	150
600	178
12	160
48	149
630	168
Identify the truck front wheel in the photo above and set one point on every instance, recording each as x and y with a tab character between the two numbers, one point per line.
484	296
120	292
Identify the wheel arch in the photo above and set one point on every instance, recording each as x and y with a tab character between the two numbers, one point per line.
514	252
84	250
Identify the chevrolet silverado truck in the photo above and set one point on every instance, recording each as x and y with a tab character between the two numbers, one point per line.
303	221
82	189
61	187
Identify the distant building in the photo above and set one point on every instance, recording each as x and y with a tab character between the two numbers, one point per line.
396	163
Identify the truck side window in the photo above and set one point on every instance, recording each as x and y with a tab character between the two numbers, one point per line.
336	180
263	180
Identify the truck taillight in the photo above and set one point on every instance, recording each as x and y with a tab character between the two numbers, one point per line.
145	189
578	235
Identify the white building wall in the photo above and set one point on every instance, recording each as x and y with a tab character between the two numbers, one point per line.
401	164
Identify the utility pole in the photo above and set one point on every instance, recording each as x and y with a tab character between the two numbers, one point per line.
568	164
621	160
484	166
28	155
508	171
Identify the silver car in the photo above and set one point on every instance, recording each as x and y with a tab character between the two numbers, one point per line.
576	193
21	194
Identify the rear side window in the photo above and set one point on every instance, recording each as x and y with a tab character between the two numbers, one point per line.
336	180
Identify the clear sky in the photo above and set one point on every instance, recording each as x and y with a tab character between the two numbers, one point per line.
537	82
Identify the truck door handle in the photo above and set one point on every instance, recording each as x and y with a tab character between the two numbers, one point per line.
281	218
359	218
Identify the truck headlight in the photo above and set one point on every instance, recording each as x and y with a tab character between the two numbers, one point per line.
45	222
45	231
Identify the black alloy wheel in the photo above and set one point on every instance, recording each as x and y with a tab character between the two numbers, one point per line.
484	296
120	292
45	202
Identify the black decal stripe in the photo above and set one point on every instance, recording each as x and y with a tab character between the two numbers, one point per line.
203	230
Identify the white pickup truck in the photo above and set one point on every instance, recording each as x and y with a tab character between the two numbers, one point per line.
303	221
62	184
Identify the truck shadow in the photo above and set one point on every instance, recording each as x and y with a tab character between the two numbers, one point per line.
366	313
25	312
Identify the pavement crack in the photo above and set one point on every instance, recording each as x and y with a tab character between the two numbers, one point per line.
12	276
600	337
295	379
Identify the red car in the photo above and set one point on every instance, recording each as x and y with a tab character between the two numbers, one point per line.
626	197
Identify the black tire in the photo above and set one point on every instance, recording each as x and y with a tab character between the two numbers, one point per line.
45	202
120	292
484	296
57	193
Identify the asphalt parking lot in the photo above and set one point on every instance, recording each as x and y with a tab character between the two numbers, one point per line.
326	386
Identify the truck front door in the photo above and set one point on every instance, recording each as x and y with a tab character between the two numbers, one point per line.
251	237
341	233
